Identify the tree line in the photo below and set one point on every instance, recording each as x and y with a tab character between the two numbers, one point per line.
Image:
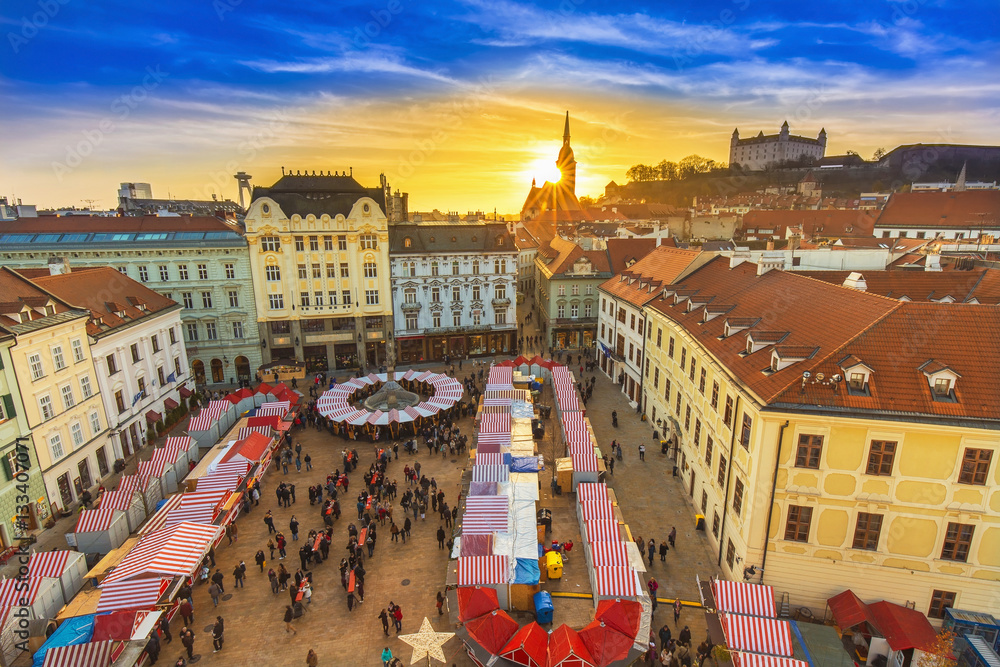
675	171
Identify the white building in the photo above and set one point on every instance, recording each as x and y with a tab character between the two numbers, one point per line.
972	216
761	151
453	290
137	345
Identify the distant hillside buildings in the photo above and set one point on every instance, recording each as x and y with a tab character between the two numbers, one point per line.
757	153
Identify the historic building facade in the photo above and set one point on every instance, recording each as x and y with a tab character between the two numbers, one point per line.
319	249
842	446
566	299
454	290
759	152
200	262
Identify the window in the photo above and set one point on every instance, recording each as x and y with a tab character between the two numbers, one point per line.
76	434
344	272
102	462
270	244
143	274
77	347
192	331
155	340
562	292
327	243
659	338
177	366
304	299
436	320
188	299
161	376
575	291
975	466
112	362
942	387
809	451
300	244
454	268
588	310
234	299
45	407
123	270
345	296
173	336
475	266
85	389
477	319
456	319
722	470
867	530
313	243
500	291
410	295
677	411
747	428
574	311
120	401
371	297
342	243
656	376
797	525
738	496
275	301
411	321
67	397
331	271
666	390
715	524
435	294
56	447
434	268
730	554
940	600
670	348
709	446
303	272
880	457
272	272
58	359
498	266
697	434
35	362
501	317
230	270
369	242
691	376
702	381
589	290
95	423
203	272
684	354
317	271
182	271
456	293
704	502
211	333
370	270
957	541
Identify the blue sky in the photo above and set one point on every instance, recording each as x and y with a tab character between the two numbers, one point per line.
460	102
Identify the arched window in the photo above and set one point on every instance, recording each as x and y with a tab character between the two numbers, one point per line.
410	295
407	242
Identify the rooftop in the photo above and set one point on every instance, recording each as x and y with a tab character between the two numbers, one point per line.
91	230
642	282
976	209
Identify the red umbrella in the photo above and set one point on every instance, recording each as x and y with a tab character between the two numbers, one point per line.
621	615
529	646
493	630
474	601
605	643
566	649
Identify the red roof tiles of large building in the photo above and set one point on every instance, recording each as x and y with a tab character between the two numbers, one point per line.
975	209
643	281
567	253
21	295
926	286
623	253
828	223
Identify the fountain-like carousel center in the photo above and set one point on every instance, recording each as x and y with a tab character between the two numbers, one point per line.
391	396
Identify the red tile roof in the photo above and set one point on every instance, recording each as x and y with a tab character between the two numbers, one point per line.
962	286
18	291
976	209
568	253
824	223
96	223
623	252
644	280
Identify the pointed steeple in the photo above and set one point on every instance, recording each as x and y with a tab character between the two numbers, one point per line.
566	131
960	183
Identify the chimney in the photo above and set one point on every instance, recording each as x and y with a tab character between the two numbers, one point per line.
932	262
770	245
58	266
793	242
856	281
740	255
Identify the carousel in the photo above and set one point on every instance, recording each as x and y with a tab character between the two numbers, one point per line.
392	402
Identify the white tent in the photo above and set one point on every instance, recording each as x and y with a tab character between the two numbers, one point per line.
127	498
152	493
99	531
67	567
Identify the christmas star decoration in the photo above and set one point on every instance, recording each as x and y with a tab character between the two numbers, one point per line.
427	643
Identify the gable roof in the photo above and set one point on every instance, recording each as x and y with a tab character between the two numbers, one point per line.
961	286
643	281
566	255
19	292
976	209
829	223
623	252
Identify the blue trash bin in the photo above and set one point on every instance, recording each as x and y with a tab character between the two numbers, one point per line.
543	607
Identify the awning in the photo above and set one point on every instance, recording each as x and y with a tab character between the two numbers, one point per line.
170	404
741	659
134	594
744	598
94	521
153	416
474	570
91	654
172	551
48	563
615	581
760	635
185	392
902	627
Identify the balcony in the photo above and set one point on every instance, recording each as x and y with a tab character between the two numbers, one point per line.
411	307
501	303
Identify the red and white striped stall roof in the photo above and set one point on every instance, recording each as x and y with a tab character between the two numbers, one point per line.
602	531
488	473
278	408
202	421
588	492
741	659
426	376
159	519
597	510
567	400
178	444
176	550
161	455
429	407
760	635
150	470
494	459
497	402
134	594
496	438
743	598
509	394
247	430
498	422
573	421
219	407
485	514
616	581
197	507
119	499
479	570
442	402
608	553
221	481
130	483
13	595
584	462
91	654
48	564
501	375
96	521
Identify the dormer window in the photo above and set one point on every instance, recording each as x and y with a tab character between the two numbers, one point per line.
735	325
942	380
50	310
760	339
857	381
858	375
784	356
24	316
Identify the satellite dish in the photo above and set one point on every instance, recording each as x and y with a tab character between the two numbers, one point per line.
837	378
820	376
806	375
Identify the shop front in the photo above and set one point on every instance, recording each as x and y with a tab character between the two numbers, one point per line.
315	358
473	345
411	350
569	339
346	355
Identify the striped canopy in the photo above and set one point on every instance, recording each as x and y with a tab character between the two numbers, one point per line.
587	492
744	598
741	659
760	635
96	521
134	594
176	550
478	570
48	564
91	654
490	473
609	554
495	459
597	510
12	593
601	531
495	423
615	581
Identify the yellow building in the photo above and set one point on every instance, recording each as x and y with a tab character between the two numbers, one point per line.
319	252
831	438
58	385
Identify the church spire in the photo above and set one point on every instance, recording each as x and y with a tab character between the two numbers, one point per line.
566	131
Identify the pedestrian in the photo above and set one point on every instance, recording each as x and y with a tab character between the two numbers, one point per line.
218	578
269	520
153	648
441	536
677	611
187	612
187	639
386	657
653	585
397	618
651	549
308	460
639	542
164	624
384	617
238	573
406	529
672	536
642	452
260	560
280	539
293	526
611	466
272	576
217	631
270	546
289	615
440	603
311	658
216	592
685	636
665	636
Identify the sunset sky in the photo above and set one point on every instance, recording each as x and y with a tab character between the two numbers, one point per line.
460	103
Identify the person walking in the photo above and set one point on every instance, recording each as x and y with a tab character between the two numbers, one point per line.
308	460
187	639
164	625
187	612
611	465
397	618
260	560
289	615
386	657
653	585
441	536
672	536
238	573
272	576
677	611
269	521
642	452
639	542
217	631
280	540
312	660
218	578
153	648
293	526
384	617
216	592
663	551
440	603
651	550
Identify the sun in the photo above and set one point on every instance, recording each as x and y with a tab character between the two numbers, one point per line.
544	169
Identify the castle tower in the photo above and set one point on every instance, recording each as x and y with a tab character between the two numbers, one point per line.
567	162
783	134
822	139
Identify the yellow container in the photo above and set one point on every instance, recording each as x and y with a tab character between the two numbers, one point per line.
553	565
